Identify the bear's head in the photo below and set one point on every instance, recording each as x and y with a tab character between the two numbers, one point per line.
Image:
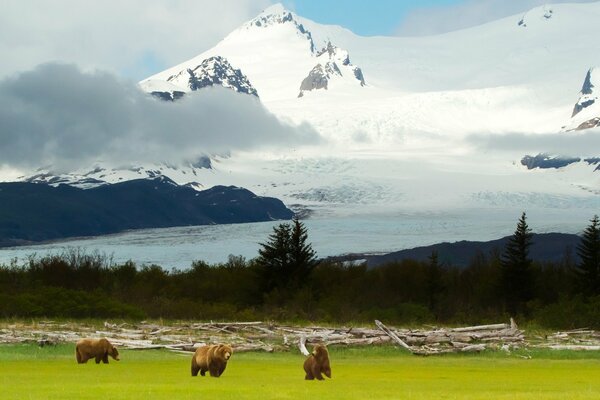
320	352
113	352
224	351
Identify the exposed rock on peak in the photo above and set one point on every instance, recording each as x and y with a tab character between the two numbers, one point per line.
333	63
588	85
588	97
586	112
213	71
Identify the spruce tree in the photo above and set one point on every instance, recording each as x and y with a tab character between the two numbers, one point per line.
517	278
288	258
588	269
434	282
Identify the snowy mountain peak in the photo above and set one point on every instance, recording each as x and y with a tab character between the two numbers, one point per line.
273	15
592	76
276	15
588	97
213	71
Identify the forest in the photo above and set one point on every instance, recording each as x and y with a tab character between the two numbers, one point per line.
286	282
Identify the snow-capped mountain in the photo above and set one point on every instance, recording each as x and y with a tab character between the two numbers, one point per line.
403	117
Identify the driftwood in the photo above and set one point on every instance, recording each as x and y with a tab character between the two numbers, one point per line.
583	339
392	335
302	346
265	336
465	339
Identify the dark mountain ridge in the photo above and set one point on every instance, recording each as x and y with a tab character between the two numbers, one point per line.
546	247
32	212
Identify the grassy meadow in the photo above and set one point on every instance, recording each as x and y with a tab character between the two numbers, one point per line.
30	372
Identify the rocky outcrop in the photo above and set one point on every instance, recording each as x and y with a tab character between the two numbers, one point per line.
334	63
214	71
168	96
590	123
587	97
545	161
586	112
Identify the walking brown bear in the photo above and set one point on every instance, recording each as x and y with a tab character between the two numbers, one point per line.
99	349
212	358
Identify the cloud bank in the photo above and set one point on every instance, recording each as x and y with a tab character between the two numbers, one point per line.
440	19
58	115
134	38
585	143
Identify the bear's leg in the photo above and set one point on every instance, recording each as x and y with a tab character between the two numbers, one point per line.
309	376
78	357
195	368
98	359
203	371
317	373
327	372
105	358
214	371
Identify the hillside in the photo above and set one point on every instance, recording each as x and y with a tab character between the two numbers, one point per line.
546	247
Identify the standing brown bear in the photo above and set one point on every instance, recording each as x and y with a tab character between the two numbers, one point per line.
317	363
99	349
212	358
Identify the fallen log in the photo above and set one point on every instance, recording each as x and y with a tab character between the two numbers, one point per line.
392	335
481	328
574	347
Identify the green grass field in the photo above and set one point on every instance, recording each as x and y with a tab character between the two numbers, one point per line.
29	372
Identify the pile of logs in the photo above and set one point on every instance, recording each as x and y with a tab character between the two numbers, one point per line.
458	340
577	339
263	336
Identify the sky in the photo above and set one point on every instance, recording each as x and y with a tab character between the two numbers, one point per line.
137	38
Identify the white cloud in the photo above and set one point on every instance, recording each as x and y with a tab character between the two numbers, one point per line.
576	144
440	19
135	38
57	115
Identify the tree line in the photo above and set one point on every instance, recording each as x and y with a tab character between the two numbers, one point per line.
287	282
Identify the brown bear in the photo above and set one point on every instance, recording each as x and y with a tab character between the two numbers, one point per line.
317	363
99	349
212	358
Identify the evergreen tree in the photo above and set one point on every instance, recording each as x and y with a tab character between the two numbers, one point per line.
517	277
588	269
287	256
434	282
